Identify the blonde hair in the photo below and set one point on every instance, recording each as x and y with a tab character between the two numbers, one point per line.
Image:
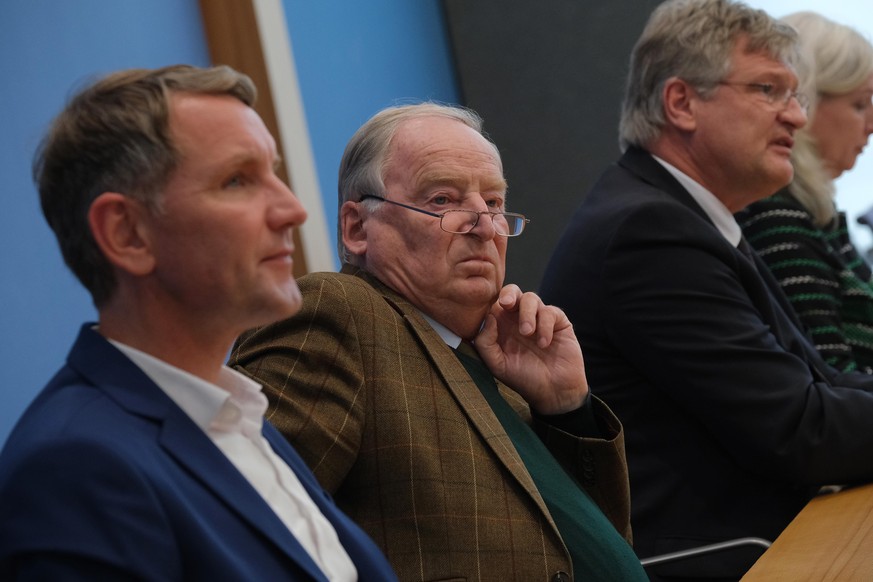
835	60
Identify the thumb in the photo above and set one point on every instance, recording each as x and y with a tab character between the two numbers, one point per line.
486	340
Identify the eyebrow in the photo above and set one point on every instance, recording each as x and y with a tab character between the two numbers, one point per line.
245	157
431	180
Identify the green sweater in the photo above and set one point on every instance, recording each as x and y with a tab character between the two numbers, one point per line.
827	281
597	550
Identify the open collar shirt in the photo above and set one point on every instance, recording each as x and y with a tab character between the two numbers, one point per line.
231	413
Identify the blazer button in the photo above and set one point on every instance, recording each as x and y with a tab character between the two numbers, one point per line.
561	577
588	471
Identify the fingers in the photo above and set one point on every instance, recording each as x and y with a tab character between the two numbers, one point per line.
534	316
487	336
509	297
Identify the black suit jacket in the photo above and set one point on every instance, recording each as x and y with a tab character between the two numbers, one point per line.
732	420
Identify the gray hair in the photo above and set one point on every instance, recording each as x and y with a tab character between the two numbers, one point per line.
367	155
692	40
836	60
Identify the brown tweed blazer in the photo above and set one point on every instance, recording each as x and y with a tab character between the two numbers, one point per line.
394	427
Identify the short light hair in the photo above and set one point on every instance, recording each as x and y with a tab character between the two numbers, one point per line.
692	40
367	155
836	59
114	136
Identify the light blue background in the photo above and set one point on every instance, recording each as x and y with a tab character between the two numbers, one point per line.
47	47
355	58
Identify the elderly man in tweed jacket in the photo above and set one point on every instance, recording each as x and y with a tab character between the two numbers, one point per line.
448	414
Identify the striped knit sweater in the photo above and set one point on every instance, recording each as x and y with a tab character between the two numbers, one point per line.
823	275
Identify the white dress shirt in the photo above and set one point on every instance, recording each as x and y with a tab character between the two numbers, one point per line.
231	413
448	336
716	211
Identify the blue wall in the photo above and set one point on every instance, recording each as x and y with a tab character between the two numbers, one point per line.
353	58
46	48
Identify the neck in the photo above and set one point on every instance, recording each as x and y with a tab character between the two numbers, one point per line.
462	322
682	157
201	352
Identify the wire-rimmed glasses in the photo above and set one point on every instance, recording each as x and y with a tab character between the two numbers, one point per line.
775	95
464	221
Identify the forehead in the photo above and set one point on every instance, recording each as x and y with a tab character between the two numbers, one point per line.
217	125
435	149
760	63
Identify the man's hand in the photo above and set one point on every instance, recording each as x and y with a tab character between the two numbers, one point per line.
531	348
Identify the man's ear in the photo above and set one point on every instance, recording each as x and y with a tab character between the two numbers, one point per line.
353	228
680	104
117	224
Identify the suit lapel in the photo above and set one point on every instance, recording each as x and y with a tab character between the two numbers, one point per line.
192	449
647	168
459	383
111	371
755	275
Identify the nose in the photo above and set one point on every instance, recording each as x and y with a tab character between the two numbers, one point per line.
868	121
484	228
285	210
794	114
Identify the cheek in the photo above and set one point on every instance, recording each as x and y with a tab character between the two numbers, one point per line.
826	139
837	129
409	251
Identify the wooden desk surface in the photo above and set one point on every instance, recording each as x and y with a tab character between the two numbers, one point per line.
830	540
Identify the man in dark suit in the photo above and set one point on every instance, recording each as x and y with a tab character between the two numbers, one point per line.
145	457
732	420
408	381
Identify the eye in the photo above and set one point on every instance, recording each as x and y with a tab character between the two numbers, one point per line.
441	200
495	203
768	89
235	181
862	105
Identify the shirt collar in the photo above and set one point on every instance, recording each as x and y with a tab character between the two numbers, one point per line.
203	401
450	337
716	211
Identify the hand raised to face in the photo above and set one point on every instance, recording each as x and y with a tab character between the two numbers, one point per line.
531	347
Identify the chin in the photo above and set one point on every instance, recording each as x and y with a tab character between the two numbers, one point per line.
479	295
782	177
281	306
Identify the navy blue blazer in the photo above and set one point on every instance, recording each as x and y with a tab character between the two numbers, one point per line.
105	478
732	420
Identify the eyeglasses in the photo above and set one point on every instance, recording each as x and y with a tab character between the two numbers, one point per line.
774	94
464	221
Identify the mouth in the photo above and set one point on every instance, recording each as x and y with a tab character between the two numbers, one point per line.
482	259
785	142
282	256
478	266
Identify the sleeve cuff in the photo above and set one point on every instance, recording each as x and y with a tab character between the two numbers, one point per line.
580	422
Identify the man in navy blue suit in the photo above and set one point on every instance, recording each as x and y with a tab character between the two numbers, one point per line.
145	457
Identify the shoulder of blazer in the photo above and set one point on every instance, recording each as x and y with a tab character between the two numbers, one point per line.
106	368
356	285
645	168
